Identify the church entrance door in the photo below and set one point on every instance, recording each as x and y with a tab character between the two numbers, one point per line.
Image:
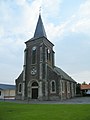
34	93
34	90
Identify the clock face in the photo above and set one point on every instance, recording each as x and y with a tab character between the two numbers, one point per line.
34	48
33	71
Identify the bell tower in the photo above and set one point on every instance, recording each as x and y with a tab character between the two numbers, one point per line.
39	55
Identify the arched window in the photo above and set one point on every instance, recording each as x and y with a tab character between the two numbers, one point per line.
63	86
41	53
34	84
19	88
48	55
34	55
68	87
53	86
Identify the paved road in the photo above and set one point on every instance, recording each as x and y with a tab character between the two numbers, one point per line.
76	100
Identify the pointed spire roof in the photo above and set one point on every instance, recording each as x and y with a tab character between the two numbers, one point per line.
40	31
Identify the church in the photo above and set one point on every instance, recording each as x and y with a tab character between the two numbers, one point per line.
40	79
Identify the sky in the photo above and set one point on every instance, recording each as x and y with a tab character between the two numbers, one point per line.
67	25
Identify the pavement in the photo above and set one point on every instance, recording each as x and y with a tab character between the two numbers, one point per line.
75	100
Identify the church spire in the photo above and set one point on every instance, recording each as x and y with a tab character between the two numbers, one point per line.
40	31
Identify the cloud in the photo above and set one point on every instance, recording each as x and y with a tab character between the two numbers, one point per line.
82	19
23	23
78	23
59	31
18	20
8	73
85	9
1	32
20	2
82	76
51	7
18	14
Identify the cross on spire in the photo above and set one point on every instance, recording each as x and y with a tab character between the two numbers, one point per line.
40	10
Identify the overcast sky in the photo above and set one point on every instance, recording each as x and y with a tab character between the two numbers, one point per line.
67	25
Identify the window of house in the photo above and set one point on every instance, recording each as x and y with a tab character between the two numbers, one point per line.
19	88
53	86
63	85
68	87
0	93
72	86
40	71
34	55
48	55
41	54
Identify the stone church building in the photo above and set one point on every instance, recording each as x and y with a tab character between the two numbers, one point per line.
40	78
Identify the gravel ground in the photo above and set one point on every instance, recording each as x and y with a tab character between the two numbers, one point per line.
76	100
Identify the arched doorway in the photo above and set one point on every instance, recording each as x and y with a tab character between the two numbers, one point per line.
34	88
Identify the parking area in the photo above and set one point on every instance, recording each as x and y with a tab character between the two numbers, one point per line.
76	100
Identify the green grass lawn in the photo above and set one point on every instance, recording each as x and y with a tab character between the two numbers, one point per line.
14	111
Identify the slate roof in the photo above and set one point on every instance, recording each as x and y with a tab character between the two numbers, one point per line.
7	87
40	31
20	78
64	75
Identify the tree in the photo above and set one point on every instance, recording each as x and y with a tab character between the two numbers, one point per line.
84	83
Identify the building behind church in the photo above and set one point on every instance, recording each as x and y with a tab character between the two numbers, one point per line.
40	78
7	91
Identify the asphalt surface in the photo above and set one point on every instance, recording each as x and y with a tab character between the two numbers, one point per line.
75	100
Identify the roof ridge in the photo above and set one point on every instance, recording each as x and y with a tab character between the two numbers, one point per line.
64	74
5	84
